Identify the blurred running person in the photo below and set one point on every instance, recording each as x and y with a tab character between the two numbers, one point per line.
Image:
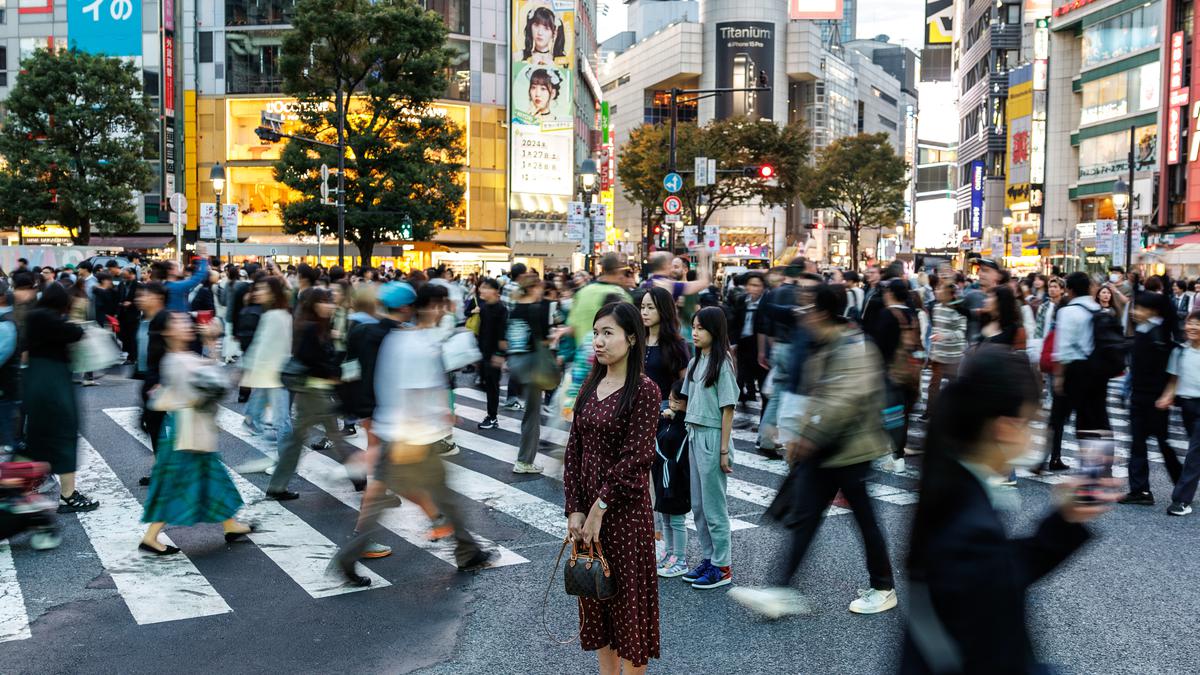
1154	320
1183	390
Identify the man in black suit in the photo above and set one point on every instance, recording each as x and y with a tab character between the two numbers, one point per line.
128	314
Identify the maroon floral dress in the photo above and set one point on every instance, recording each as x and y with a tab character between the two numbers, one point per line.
609	456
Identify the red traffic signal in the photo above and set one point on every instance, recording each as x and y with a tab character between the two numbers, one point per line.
658	229
761	172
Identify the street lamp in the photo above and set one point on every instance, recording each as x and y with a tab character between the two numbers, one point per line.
217	176
1121	201
587	183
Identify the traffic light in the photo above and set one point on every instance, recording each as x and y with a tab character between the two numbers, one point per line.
762	171
658	229
763	81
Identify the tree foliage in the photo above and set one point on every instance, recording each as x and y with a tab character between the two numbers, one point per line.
403	159
861	179
735	143
72	144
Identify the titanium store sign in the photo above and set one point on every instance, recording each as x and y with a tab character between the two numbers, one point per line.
542	97
744	50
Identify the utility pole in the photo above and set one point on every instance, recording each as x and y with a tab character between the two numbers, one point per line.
691	96
341	194
1129	214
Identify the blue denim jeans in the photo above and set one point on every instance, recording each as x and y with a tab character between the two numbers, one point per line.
255	408
280	401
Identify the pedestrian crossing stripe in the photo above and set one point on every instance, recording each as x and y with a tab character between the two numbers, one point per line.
296	547
14	620
406	521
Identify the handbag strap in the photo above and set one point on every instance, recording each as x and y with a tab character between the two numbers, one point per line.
546	597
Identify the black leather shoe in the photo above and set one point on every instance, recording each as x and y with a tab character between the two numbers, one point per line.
147	548
231	537
283	496
352	577
1059	465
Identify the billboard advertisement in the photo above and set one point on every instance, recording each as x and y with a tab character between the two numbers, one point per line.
745	49
814	9
112	27
542	97
1020	142
977	199
939	20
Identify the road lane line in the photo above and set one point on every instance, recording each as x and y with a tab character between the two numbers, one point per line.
407	521
303	553
155	589
14	618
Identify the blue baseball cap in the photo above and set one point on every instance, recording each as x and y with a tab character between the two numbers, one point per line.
396	294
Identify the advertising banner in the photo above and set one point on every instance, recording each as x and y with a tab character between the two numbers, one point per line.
815	9
939	20
977	199
744	50
111	27
1020	146
542	68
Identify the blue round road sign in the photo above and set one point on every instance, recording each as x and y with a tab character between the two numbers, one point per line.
672	182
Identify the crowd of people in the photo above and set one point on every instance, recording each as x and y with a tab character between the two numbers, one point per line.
648	367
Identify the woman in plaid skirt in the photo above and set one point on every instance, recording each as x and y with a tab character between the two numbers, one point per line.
189	484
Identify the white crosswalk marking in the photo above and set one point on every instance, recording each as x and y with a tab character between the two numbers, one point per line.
297	548
407	521
736	488
155	589
14	619
553	467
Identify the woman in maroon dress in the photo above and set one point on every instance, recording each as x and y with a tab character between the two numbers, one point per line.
607	488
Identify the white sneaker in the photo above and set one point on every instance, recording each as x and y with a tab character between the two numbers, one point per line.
522	467
872	601
773	602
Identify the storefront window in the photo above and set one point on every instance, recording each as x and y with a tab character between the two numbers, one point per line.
252	62
456	14
1123	34
259	197
458	73
1121	94
259	12
1108	154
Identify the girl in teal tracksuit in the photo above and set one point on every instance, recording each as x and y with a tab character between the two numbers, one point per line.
712	394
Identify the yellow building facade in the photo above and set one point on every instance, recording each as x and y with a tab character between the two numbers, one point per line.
221	129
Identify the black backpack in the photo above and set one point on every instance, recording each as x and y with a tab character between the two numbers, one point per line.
1110	346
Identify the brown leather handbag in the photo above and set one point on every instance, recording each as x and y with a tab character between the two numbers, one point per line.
587	575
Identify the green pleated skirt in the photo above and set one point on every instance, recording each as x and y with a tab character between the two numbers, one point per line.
187	488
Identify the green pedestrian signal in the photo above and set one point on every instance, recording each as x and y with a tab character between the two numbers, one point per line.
406	232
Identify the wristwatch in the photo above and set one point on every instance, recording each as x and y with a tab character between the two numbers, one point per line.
601	505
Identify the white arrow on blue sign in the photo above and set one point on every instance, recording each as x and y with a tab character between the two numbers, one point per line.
672	182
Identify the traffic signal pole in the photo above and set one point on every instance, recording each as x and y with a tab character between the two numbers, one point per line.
691	96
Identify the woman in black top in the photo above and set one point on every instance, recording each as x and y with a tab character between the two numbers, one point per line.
666	352
51	411
967	578
493	319
1003	326
313	351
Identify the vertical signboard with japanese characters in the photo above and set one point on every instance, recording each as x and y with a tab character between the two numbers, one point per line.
1018	158
977	199
541	97
167	96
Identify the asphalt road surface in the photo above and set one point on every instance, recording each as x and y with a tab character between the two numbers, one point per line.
95	605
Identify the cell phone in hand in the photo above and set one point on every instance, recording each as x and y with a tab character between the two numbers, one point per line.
1097	453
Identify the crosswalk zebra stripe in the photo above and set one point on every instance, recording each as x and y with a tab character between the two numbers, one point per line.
303	553
406	521
553	468
154	589
14	618
736	488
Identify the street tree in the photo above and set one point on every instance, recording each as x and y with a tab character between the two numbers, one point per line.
72	144
861	180
382	63
735	144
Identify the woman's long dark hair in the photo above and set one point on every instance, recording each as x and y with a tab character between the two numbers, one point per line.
308	315
546	17
670	341
55	298
712	319
629	319
993	382
1007	313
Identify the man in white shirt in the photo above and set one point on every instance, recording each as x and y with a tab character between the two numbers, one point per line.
412	414
1076	387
